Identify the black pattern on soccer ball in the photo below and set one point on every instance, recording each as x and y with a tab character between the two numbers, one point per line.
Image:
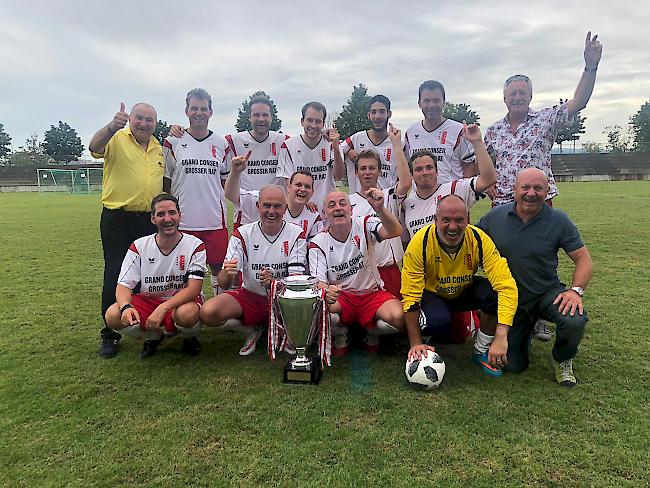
436	358
431	374
413	367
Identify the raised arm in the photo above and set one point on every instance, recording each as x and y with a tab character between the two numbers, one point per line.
103	135
487	173
403	173
593	52
335	139
232	186
390	226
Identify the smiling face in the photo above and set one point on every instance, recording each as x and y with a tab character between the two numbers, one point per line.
451	220
312	123
425	173
531	191
142	122
378	116
271	206
338	209
432	103
517	96
166	218
367	172
300	189
261	119
198	111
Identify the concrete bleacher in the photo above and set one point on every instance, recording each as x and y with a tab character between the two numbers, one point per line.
601	167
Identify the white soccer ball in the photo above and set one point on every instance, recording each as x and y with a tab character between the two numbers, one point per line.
426	373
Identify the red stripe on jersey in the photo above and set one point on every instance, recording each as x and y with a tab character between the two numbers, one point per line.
241	239
453	186
313	245
231	144
199	248
365	229
223	215
287	136
284	146
443	137
387	154
349	141
460	134
133	248
167	144
323	154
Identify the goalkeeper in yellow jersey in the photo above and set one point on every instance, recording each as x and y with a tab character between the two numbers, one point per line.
439	277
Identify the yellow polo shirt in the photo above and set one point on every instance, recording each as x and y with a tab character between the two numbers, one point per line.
132	176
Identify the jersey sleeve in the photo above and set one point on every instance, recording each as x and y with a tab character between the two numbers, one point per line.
231	152
464	151
413	272
316	228
236	249
130	274
297	263
224	165
466	189
286	166
498	273
372	226
170	158
346	145
317	261
198	267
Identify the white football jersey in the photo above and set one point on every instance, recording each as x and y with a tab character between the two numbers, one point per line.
246	212
446	142
418	212
160	275
283	254
359	142
263	162
297	155
310	222
196	169
390	251
351	264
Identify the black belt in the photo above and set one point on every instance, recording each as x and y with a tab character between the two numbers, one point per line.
121	210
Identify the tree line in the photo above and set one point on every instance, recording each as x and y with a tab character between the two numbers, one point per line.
62	145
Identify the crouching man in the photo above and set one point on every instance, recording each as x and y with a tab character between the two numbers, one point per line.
168	267
344	260
439	277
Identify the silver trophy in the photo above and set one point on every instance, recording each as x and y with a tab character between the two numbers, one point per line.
299	301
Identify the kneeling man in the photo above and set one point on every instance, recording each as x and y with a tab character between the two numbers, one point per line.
169	267
439	277
529	234
264	250
344	259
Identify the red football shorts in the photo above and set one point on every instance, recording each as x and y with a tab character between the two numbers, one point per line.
216	244
255	308
145	305
361	308
392	278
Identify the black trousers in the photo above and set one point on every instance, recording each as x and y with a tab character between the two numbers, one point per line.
118	229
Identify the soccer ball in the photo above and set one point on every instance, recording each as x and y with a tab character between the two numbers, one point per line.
426	373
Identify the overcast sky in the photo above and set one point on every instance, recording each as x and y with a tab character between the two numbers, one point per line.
76	61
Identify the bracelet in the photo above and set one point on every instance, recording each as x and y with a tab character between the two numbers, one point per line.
591	70
125	307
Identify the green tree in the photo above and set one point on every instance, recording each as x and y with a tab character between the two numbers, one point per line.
31	154
592	147
161	131
62	143
571	130
618	139
5	143
354	115
243	122
640	123
460	112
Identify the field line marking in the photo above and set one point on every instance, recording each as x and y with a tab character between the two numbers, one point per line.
605	194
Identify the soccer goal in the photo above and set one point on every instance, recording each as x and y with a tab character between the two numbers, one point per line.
82	180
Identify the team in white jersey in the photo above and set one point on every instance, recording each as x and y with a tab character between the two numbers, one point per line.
376	138
441	136
262	251
318	153
344	260
263	160
169	267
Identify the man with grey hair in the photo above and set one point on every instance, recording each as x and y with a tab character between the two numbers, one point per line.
195	171
524	137
267	249
133	171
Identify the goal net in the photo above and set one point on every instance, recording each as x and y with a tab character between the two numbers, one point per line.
82	180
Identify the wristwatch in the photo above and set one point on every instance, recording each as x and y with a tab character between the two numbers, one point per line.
579	290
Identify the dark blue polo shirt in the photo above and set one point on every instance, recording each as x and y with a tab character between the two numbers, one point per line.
531	249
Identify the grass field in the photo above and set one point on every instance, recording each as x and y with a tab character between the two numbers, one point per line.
69	418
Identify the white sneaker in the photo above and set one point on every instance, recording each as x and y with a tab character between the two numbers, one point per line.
541	331
372	342
250	344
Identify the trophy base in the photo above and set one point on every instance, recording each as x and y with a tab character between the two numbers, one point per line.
305	375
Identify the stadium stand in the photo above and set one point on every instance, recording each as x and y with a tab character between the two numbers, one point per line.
601	167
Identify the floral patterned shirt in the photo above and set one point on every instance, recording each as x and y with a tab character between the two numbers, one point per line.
530	146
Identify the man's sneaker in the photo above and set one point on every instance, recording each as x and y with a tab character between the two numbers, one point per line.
341	341
481	358
541	331
372	343
251	341
149	348
191	346
564	372
109	347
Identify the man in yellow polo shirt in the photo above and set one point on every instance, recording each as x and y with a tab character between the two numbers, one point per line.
133	171
439	277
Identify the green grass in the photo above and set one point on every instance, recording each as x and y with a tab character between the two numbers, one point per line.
69	418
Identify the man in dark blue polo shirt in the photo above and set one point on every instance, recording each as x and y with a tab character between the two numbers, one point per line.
529	233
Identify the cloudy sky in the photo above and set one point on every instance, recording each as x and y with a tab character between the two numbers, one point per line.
76	61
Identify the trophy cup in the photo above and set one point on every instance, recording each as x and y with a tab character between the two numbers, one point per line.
299	302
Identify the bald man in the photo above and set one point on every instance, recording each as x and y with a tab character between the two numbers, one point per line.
439	277
262	251
529	234
133	172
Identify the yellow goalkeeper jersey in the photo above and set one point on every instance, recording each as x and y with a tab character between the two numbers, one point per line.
427	266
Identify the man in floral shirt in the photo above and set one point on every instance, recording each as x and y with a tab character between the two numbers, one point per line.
524	137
